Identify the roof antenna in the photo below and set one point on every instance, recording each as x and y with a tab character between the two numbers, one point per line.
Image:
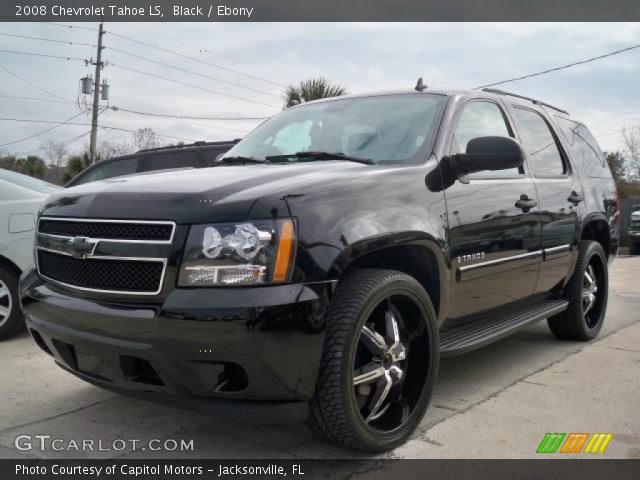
420	86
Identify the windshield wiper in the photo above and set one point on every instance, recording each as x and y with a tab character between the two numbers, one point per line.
238	159
323	156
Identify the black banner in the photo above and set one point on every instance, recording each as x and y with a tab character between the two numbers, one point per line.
317	10
325	469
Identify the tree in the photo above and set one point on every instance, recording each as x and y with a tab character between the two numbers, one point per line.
145	138
75	165
617	165
55	151
34	166
631	139
107	149
312	89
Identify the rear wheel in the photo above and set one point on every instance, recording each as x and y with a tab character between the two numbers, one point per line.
379	362
10	315
634	248
587	293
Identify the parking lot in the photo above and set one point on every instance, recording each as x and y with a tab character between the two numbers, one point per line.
497	402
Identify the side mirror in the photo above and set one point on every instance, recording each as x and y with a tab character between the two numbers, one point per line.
488	153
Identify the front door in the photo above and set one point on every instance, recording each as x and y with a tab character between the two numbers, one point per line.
494	223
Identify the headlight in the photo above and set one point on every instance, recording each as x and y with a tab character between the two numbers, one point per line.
247	253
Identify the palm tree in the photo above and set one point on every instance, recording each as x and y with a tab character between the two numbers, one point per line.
311	89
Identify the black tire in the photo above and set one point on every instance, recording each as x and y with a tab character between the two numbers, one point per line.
634	249
339	402
579	322
9	301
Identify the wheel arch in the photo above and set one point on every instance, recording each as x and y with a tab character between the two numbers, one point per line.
5	262
596	228
412	253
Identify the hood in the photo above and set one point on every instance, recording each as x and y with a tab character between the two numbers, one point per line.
224	193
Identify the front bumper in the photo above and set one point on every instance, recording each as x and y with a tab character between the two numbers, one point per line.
222	351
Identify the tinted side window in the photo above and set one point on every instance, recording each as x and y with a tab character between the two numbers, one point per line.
163	161
481	119
584	148
539	143
116	168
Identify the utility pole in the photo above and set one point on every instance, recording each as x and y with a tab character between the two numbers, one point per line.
96	97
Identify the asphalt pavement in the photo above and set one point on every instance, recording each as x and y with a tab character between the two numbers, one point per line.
496	402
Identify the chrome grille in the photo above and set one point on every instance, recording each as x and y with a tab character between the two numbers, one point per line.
108	229
101	274
71	252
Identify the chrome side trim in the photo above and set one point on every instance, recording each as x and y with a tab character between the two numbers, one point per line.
536	253
97	290
549	252
114	240
499	261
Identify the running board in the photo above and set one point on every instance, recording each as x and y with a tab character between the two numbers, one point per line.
491	328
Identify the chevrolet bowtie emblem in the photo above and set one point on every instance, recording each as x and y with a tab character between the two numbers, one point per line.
80	247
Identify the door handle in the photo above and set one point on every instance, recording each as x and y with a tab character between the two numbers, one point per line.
575	198
525	203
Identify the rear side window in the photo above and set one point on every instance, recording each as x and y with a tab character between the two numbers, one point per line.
545	158
584	148
115	168
481	119
163	161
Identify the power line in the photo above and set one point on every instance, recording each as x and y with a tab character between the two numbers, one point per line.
215	127
186	117
581	62
137	112
70	26
57	124
36	99
608	133
68	122
197	60
193	86
68	140
42	39
15	75
164	35
33	54
192	72
209	126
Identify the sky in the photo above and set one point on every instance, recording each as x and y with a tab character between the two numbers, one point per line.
259	59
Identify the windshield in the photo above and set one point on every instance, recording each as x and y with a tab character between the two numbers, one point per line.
30	183
390	128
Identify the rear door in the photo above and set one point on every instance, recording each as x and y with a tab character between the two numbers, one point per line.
559	194
494	225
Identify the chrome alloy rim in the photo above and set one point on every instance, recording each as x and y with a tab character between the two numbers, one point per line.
385	368
5	302
589	289
391	364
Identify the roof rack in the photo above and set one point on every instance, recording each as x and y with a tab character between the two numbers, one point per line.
537	102
191	145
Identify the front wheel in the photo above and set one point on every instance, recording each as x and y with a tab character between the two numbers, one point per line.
10	315
587	293
379	363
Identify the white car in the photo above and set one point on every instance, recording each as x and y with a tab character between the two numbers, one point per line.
20	199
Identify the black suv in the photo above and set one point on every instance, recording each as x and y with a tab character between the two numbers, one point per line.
321	269
194	155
